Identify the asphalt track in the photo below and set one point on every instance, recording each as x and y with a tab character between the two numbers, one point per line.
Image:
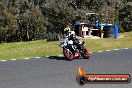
56	72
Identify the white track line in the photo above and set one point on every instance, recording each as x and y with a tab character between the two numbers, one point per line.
26	58
46	56
3	60
37	57
108	50
13	59
125	48
99	51
115	49
60	55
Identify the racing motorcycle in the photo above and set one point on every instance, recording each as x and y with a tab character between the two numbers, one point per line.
73	48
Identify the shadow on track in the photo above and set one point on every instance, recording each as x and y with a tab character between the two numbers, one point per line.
60	58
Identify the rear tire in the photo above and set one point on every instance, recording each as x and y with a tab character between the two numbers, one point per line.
86	54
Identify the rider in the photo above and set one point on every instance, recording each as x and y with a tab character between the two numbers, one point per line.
70	34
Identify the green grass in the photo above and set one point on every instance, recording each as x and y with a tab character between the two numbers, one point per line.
124	41
40	48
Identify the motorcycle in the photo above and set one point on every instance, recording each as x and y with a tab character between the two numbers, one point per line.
73	48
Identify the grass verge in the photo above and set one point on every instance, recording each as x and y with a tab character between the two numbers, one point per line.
41	48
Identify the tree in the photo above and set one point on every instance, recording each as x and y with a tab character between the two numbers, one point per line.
125	16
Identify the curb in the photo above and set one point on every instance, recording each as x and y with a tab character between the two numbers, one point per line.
61	55
19	59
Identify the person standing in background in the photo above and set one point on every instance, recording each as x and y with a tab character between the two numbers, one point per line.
116	29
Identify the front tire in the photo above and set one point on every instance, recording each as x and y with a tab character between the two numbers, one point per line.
68	54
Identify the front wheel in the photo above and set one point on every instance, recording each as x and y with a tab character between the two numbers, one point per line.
86	54
68	54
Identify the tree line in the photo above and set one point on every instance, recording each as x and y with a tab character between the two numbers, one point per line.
27	20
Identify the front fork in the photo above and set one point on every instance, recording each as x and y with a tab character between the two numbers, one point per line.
73	49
